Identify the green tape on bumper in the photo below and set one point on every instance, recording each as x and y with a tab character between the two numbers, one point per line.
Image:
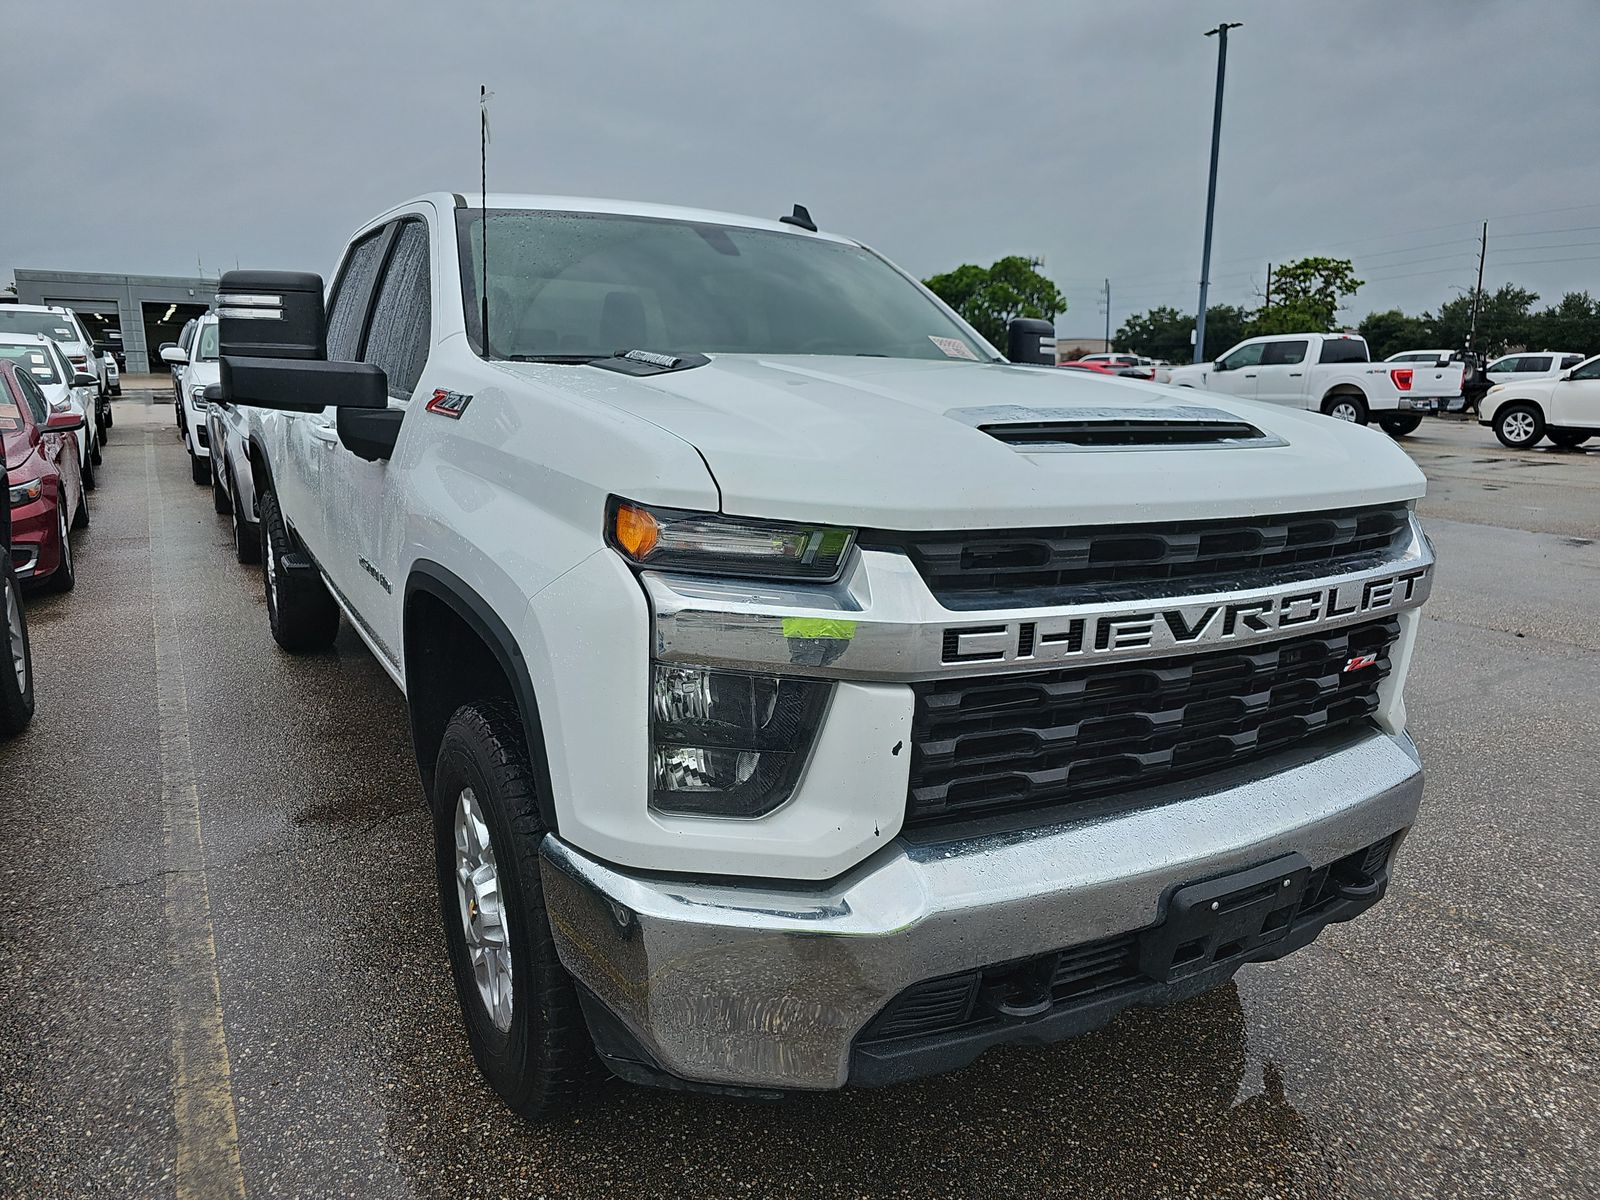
819	627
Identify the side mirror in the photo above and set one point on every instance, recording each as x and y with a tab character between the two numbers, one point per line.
84	379
1219	365
1030	340
213	394
174	355
64	422
273	338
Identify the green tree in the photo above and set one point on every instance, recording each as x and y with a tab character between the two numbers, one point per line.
1505	318
1573	324
989	297
1391	331
1306	297
1163	332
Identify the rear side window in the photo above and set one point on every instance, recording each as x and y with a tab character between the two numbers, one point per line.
346	316
402	318
1571	360
1279	354
1343	350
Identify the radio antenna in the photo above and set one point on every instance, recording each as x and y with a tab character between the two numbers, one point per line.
483	204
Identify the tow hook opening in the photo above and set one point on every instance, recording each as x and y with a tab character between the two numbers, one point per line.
1023	991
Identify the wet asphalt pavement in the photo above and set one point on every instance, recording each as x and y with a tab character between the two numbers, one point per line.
221	968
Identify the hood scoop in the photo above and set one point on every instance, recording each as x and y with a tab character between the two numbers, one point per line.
1173	427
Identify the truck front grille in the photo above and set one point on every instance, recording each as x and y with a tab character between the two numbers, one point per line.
1006	742
1015	568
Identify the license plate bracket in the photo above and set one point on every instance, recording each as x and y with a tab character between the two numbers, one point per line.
1224	920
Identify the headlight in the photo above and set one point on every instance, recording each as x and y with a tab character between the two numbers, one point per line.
197	397
26	493
708	543
728	744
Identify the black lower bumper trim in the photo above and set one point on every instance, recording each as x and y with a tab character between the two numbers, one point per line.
1211	929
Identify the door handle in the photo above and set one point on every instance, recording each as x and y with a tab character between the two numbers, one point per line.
1296	374
326	434
1249	374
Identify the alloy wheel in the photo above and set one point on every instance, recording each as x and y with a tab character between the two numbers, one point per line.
14	638
1519	426
1343	411
483	915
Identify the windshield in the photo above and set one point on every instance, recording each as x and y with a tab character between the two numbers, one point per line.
576	286
33	358
52	325
208	344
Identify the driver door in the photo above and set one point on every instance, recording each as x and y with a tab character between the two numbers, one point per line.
1237	371
1575	401
1281	377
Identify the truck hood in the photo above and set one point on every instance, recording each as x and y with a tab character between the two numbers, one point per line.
897	444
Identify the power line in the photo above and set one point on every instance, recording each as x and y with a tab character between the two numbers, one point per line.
1529	262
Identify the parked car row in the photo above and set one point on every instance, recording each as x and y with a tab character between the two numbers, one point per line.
193	359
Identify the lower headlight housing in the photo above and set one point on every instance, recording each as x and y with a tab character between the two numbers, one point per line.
727	743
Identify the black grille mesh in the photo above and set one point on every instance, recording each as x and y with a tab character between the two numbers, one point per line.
1005	742
1018	567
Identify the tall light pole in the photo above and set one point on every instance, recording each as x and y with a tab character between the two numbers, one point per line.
1211	187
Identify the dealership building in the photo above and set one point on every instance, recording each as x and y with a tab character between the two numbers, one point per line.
140	311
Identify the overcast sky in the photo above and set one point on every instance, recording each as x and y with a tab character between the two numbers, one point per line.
142	138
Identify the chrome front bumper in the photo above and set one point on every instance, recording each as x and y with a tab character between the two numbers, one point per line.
767	986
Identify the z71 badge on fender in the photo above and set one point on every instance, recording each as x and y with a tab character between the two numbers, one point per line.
449	404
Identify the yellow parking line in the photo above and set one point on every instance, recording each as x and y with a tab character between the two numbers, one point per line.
202	1084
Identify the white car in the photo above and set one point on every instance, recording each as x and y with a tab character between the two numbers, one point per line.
1329	373
113	375
61	325
1565	409
197	369
1540	364
66	389
726	553
230	429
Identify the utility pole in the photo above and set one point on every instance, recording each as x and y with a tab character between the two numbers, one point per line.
1211	186
1477	293
1268	303
1108	316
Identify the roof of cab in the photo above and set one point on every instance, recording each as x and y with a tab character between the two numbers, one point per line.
589	204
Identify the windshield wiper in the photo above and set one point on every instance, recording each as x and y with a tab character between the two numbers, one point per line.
648	362
553	358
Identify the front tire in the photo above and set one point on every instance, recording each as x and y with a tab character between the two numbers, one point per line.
16	655
219	498
1519	426
302	614
1346	406
88	473
1568	439
520	1008
1400	426
246	540
199	469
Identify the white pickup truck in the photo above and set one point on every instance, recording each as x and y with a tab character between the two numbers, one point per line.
1329	373
804	694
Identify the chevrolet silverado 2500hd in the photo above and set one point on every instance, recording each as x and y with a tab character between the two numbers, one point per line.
1328	373
804	694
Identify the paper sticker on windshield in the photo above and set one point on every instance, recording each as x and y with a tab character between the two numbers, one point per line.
953	347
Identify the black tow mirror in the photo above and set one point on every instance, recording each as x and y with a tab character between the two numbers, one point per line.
1031	340
84	379
273	341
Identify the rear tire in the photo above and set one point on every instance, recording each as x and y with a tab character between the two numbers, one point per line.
80	519
16	655
1400	426
533	1048
219	498
65	577
246	537
1346	406
1568	439
1519	426
302	614
88	474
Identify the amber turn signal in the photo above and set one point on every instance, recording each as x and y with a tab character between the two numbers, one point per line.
636	530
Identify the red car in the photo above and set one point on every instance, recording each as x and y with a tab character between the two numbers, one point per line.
44	480
1093	367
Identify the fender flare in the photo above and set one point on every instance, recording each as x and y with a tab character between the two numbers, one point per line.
441	583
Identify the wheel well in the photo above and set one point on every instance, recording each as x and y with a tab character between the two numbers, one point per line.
1344	389
458	651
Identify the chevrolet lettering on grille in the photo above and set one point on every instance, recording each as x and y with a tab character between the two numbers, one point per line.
1293	609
